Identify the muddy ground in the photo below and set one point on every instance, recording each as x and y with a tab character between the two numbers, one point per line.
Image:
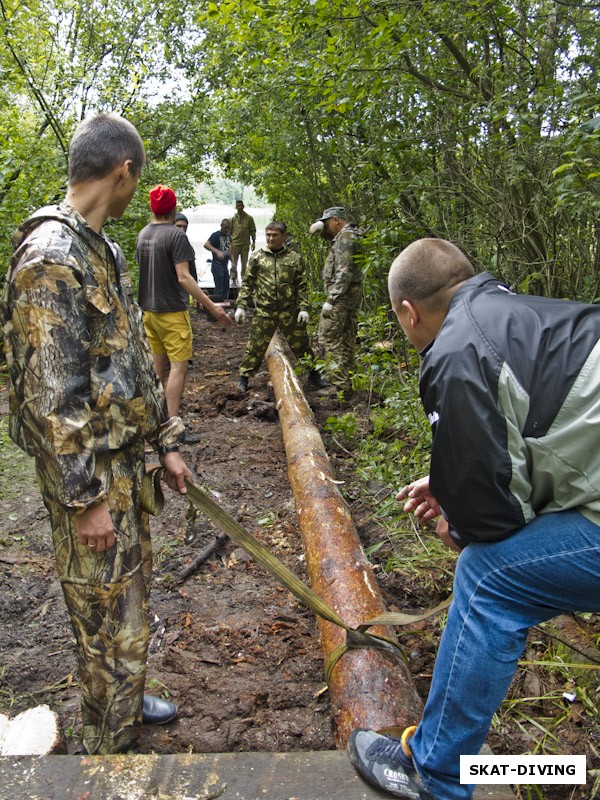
235	650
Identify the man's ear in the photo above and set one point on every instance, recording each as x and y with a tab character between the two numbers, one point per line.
126	169
412	311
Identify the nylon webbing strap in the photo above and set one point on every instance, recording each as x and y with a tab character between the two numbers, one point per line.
153	499
262	555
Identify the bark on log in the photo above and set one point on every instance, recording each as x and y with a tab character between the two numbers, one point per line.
368	688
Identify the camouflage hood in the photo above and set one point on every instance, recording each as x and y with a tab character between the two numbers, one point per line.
61	213
57	238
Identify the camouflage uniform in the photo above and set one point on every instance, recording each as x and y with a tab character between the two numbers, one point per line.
277	282
342	277
83	397
242	229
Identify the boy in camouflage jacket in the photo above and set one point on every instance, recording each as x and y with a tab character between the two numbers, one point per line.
83	398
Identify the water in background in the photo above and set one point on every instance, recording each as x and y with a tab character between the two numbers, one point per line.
206	219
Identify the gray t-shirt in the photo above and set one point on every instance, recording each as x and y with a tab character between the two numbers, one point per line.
158	248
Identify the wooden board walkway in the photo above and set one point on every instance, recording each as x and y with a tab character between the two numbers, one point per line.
325	775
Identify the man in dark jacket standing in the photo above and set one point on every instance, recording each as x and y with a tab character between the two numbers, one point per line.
219	244
510	384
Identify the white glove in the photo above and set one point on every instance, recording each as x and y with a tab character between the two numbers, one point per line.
326	310
240	315
316	227
303	318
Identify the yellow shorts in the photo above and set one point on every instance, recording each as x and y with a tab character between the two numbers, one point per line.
170	333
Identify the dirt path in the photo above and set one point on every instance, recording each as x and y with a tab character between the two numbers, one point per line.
234	649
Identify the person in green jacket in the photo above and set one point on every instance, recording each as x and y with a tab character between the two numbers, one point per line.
276	280
342	279
243	233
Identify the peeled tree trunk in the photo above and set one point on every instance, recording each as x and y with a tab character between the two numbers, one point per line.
368	688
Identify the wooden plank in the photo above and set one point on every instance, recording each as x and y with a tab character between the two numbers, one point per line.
326	775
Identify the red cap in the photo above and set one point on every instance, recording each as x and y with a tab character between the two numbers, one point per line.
162	200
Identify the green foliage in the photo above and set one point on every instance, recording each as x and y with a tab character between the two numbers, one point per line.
16	468
226	191
420	120
64	59
345	425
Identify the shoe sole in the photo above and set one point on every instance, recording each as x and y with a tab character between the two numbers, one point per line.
160	721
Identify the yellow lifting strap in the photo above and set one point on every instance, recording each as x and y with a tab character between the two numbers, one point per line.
153	502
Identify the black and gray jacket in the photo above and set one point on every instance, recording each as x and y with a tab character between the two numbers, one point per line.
511	387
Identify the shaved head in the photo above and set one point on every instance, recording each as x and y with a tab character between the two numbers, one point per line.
100	144
427	272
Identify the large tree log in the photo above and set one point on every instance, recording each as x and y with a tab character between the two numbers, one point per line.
368	688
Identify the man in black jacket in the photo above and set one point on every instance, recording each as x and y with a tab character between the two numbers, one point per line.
509	384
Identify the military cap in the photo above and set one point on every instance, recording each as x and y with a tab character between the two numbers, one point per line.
334	211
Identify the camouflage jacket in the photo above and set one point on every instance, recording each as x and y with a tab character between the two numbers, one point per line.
276	281
81	377
243	228
341	269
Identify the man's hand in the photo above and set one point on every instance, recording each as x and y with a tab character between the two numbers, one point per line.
316	227
326	310
420	500
442	531
303	318
221	315
95	528
176	471
240	315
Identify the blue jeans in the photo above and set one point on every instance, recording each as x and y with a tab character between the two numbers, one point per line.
221	276
548	567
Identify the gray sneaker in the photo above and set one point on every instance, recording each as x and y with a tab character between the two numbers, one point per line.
382	762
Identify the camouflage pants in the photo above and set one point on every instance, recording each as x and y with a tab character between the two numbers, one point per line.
263	327
241	252
337	336
107	599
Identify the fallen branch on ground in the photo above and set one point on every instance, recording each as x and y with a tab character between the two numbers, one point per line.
202	556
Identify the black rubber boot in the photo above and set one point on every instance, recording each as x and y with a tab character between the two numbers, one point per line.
317	380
